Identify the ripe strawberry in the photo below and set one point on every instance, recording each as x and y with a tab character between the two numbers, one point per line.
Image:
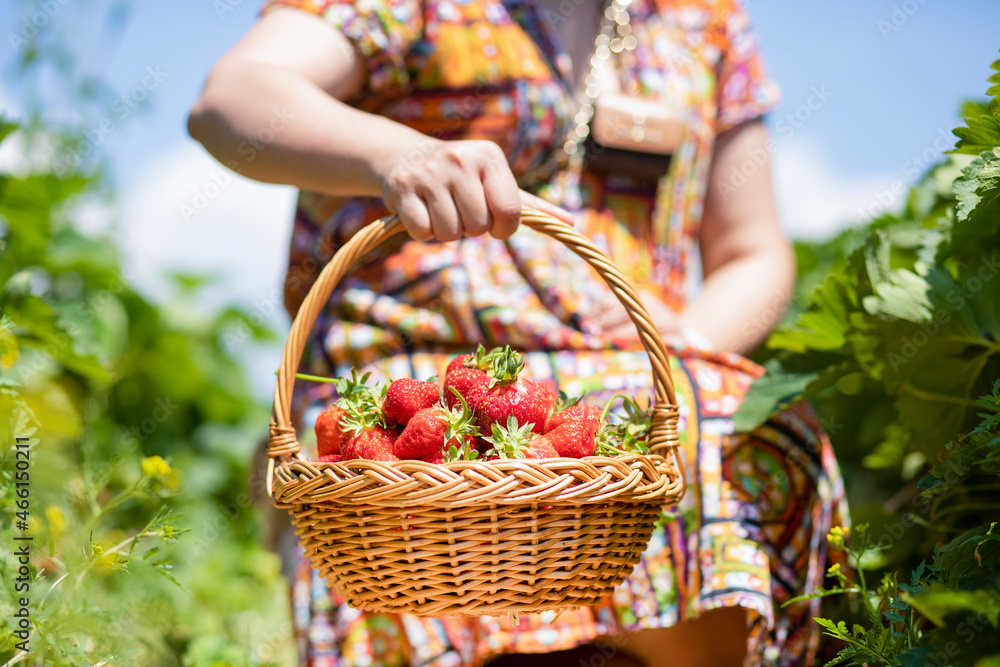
571	432
480	359
374	443
589	414
518	442
406	396
540	447
435	458
433	431
330	437
354	396
458	362
329	458
490	383
574	439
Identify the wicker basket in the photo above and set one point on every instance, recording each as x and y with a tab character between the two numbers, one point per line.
474	537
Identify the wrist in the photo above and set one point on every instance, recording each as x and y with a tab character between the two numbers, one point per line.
399	154
692	334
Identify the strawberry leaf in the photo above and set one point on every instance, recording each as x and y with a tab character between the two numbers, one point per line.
510	442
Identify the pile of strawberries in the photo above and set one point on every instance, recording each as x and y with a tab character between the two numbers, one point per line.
484	409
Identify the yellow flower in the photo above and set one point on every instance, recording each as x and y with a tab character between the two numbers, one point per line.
155	466
9	352
838	536
173	480
57	520
833	570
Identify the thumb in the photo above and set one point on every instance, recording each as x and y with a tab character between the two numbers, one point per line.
536	202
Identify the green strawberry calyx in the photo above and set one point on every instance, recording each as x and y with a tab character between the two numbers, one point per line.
510	442
460	421
501	364
627	436
564	401
464	452
362	403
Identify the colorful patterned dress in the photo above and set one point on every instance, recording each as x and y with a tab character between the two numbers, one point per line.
750	531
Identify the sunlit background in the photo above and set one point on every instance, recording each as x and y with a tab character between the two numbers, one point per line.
122	351
870	94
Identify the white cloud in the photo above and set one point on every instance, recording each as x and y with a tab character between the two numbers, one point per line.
186	212
20	159
816	201
235	230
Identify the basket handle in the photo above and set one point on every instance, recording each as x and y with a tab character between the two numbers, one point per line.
284	446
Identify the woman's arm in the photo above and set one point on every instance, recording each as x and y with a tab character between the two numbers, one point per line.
747	260
271	110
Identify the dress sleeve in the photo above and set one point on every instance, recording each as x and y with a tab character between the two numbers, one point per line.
745	90
383	31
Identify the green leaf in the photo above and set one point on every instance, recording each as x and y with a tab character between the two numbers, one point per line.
981	134
6	127
938	601
982	131
977	216
37	327
971	561
821	593
787	379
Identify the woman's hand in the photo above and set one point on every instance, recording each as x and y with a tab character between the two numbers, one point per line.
294	63
445	190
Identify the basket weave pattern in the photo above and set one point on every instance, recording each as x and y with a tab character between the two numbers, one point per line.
474	537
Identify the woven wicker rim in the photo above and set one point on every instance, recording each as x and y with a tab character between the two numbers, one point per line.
634	478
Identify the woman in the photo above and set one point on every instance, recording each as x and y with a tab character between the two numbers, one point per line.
454	113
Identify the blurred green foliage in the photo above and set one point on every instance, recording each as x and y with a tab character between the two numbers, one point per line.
147	539
142	431
147	544
898	346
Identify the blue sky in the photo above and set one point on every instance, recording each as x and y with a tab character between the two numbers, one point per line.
884	79
895	70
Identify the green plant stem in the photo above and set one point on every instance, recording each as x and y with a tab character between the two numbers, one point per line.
978	342
314	378
964	507
862	583
607	406
851	640
18	657
145	532
942	398
110	505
